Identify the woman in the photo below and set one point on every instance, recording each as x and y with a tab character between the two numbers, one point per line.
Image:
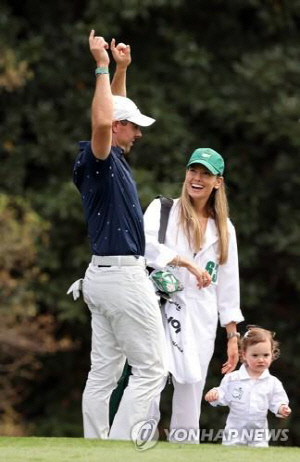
201	247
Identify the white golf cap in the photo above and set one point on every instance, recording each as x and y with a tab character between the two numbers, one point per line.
125	109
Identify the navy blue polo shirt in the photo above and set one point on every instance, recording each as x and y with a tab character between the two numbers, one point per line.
111	207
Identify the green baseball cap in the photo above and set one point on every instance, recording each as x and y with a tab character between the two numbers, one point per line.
211	159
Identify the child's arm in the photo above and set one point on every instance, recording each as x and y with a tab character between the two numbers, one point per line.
279	400
217	395
212	395
284	411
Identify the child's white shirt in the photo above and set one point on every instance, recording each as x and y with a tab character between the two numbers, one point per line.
250	399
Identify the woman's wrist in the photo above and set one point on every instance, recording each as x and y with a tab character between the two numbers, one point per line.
176	261
233	341
182	262
185	263
233	335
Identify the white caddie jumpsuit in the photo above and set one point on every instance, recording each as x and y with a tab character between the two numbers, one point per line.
191	331
249	401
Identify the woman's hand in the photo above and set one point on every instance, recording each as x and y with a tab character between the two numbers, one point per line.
202	276
232	356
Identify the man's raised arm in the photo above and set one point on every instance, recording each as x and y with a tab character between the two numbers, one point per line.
122	56
102	105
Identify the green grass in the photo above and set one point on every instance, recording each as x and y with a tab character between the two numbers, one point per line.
33	449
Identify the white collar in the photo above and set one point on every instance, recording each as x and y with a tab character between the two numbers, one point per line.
244	375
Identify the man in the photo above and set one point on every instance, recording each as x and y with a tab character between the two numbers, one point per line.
125	316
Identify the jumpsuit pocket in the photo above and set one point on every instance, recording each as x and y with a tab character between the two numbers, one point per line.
262	402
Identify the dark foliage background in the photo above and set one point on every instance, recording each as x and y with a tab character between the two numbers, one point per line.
213	73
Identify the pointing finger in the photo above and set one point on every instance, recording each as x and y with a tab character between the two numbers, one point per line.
92	34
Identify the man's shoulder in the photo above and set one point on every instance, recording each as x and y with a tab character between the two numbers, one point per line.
83	145
85	154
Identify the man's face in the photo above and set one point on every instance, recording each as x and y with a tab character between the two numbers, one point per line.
125	134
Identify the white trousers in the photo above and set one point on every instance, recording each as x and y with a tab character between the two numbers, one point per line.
186	409
126	323
243	432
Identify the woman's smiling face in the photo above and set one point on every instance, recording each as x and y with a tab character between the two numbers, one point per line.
200	182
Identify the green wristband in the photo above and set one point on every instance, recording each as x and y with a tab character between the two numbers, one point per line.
101	70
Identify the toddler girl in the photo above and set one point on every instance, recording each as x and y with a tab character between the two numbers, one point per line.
251	391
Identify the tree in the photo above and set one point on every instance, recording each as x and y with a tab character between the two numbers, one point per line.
219	74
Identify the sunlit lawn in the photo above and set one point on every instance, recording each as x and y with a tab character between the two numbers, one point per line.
31	449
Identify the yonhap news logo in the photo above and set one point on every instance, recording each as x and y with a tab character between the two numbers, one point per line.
195	435
144	434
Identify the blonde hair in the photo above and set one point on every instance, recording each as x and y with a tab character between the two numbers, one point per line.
256	334
217	208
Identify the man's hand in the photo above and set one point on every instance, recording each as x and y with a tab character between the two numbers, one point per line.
98	47
232	356
121	54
